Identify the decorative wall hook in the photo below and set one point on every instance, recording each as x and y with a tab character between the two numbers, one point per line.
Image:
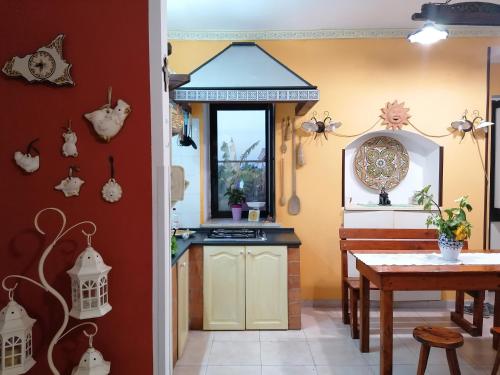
69	146
107	121
328	125
45	65
26	161
112	191
71	185
43	284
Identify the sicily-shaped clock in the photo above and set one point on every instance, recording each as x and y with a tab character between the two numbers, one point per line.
45	65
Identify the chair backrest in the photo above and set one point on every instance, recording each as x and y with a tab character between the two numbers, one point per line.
369	239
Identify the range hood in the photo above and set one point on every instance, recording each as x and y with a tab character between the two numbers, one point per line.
245	73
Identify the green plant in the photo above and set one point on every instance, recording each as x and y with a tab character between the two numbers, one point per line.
173	245
454	224
234	196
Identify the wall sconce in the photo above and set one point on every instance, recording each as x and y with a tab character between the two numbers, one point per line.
16	348
430	33
464	125
89	284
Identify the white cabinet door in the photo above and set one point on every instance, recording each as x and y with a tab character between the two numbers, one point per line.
266	287
224	288
183	301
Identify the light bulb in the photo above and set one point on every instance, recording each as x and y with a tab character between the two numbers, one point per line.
428	34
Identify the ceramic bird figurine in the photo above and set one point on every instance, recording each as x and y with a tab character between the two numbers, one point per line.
70	186
27	162
108	121
69	146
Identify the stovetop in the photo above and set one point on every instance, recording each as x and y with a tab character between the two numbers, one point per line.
239	234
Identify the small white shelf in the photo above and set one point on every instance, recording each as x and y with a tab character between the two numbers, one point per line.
376	207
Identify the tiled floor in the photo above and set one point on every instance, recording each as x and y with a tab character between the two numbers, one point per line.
324	347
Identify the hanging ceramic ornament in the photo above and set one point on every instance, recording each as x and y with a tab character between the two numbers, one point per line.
112	191
107	121
70	186
69	146
45	65
26	161
92	361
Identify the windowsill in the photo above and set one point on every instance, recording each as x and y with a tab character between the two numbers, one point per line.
218	223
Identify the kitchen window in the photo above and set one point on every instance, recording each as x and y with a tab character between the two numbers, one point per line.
242	155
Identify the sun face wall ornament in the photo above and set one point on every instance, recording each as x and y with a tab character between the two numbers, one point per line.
26	161
395	115
112	191
107	121
45	65
71	185
381	162
328	125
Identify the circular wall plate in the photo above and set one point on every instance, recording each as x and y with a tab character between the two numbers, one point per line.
381	162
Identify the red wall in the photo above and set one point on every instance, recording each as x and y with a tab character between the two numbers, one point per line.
107	43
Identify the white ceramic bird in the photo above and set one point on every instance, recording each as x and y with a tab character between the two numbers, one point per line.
70	186
108	121
27	162
69	146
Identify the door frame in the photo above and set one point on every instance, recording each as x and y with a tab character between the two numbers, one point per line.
160	171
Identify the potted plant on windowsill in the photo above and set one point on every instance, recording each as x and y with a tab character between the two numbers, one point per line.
235	199
453	229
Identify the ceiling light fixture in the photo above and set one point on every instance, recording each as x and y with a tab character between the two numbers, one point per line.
428	34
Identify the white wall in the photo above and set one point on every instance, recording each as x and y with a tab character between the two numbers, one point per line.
189	208
423	170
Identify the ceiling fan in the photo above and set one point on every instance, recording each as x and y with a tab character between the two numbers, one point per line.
471	13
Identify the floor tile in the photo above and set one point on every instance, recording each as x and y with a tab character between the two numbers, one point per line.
286	353
398	370
189	370
235	335
195	352
335	352
234	353
282	335
233	370
288	370
343	370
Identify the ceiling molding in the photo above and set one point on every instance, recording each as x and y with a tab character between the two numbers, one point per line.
468	32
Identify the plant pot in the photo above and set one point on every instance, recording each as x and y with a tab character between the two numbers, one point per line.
450	248
236	211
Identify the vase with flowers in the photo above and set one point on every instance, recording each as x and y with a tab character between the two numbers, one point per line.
235	199
453	226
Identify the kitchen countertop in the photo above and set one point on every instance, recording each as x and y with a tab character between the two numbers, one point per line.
275	237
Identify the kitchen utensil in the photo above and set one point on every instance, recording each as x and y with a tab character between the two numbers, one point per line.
300	153
282	183
294	201
287	130
283	144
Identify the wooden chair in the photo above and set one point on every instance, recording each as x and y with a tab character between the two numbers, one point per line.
438	337
496	331
396	240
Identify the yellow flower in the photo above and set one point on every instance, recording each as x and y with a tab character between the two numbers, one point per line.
460	233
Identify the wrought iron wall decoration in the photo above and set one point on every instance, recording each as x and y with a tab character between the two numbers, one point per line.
381	162
327	125
19	358
45	65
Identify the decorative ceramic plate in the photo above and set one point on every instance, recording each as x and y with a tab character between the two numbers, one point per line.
381	162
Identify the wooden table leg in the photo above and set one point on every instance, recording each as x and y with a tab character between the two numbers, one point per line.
364	291
386	330
496	318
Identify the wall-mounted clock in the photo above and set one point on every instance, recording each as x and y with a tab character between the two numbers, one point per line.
45	65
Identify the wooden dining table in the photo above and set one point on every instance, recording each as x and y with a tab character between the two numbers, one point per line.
390	278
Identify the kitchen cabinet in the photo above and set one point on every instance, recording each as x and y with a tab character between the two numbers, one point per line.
182	302
245	287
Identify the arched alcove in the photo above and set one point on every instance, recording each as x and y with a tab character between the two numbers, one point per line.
425	168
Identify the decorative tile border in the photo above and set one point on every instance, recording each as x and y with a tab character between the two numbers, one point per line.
246	95
322	34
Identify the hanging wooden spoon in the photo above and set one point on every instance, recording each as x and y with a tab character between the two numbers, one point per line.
294	201
283	144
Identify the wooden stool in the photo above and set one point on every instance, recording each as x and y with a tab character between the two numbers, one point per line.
440	338
496	331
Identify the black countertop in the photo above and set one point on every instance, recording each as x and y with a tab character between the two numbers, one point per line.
275	237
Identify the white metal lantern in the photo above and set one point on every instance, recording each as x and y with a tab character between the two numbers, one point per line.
89	285
16	348
92	362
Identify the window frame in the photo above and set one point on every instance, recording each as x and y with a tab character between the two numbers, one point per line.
269	161
494	212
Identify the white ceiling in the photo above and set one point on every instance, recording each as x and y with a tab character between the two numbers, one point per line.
264	15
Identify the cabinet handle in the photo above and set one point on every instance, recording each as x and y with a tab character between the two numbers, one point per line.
249	251
242	252
183	264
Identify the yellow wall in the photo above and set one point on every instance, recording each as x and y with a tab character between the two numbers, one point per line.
356	78
495	79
